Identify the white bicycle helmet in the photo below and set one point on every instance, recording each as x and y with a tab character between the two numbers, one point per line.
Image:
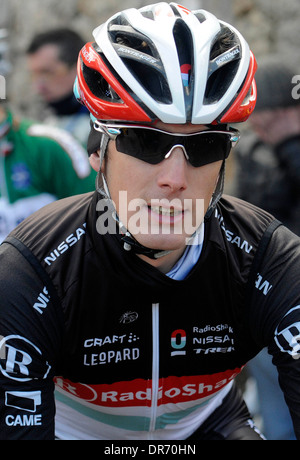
165	62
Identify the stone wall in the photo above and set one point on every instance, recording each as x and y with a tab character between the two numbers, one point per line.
270	26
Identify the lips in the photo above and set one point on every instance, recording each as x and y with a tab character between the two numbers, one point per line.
166	216
163	211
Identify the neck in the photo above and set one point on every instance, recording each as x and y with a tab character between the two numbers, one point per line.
66	106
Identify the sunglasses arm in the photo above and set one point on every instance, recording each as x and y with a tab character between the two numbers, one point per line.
111	132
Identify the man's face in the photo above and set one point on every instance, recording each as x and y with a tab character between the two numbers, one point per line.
163	204
275	125
52	79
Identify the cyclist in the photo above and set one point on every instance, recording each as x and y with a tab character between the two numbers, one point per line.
138	311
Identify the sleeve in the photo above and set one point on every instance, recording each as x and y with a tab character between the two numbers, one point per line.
29	347
275	314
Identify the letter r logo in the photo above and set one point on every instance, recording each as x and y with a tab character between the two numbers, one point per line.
17	361
287	333
18	357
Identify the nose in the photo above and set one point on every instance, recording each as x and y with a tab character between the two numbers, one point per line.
172	173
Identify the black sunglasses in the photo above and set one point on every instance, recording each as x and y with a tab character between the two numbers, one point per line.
153	145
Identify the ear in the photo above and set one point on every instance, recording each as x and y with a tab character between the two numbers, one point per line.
95	161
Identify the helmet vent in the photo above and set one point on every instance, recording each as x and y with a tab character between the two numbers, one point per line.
184	45
183	40
141	58
224	63
98	85
148	14
200	16
219	82
225	40
152	80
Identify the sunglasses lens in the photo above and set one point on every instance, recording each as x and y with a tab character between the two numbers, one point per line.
152	146
144	144
207	148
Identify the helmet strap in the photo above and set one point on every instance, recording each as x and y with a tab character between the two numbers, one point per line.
217	193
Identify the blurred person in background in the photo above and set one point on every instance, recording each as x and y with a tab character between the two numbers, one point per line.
268	175
52	60
268	167
38	163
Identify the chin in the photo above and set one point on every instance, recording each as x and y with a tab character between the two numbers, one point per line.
162	242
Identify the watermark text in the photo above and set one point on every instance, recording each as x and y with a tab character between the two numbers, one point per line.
2	87
296	88
157	217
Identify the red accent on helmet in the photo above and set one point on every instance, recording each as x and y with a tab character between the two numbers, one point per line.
126	109
184	9
240	112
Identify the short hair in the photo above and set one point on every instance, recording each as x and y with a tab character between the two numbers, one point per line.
68	41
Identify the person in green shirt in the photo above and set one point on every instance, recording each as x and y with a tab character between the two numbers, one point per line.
38	164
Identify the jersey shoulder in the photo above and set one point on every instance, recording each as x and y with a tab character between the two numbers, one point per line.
244	216
237	228
45	228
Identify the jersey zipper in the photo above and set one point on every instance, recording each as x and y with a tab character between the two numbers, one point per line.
155	366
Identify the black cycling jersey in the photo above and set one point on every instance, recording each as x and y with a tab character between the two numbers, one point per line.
133	353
